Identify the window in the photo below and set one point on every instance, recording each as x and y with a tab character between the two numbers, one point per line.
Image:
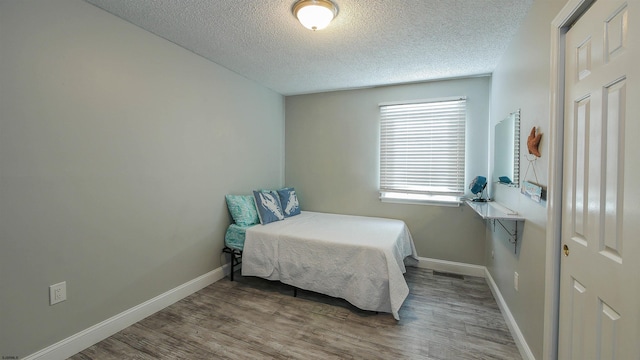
422	151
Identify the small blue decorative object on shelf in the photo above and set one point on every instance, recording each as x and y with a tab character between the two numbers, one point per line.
477	187
504	180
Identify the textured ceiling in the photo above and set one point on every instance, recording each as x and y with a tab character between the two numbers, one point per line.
369	43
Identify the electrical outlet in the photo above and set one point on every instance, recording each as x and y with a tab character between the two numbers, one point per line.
492	254
57	293
516	279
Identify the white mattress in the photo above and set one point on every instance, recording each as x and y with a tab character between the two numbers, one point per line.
356	258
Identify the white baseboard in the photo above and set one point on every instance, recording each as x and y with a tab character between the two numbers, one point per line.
451	267
518	337
96	333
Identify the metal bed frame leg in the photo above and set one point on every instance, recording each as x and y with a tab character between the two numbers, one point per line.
235	256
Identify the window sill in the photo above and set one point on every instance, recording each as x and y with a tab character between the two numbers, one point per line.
421	199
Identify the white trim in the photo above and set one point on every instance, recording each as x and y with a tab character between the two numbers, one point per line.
408	102
416	201
518	337
572	10
451	267
96	333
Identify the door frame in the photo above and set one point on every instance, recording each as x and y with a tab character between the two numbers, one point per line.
572	10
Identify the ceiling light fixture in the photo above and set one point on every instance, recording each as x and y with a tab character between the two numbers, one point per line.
315	14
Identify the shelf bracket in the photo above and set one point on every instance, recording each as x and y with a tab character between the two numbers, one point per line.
494	212
513	235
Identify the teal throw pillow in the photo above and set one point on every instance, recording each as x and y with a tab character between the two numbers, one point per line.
242	209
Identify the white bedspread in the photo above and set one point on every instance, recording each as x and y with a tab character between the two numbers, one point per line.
356	258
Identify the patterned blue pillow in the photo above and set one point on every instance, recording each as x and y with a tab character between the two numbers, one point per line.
268	204
289	202
242	209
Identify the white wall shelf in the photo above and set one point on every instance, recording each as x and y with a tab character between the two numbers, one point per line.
495	212
490	210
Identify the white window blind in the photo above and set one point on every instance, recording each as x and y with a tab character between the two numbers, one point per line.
422	149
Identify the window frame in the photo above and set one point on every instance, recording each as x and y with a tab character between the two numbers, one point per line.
390	190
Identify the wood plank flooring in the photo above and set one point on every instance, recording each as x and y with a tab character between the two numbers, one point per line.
252	318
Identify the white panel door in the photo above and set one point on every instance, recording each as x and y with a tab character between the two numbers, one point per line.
600	275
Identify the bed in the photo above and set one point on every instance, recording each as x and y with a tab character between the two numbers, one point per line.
356	258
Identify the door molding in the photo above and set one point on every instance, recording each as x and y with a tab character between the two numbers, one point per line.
572	10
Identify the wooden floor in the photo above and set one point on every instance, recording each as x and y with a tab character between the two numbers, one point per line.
251	318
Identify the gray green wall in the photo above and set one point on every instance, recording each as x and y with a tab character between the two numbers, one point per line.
332	157
521	81
116	150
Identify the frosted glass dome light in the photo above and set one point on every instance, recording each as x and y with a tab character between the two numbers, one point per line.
315	14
